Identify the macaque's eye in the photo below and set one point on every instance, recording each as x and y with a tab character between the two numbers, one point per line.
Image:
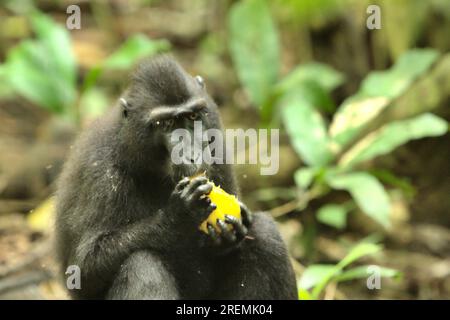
200	81
193	116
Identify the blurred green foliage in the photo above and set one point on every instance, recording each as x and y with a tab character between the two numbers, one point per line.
330	152
337	143
335	153
44	70
316	277
257	59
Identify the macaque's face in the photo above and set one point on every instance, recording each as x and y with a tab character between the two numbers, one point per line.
166	129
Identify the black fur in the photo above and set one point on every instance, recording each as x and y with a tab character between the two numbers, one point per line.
127	221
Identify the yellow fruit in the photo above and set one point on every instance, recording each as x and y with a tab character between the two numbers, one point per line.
226	204
41	218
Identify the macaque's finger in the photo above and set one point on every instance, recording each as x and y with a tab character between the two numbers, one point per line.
211	208
226	233
203	189
239	228
194	184
246	214
181	184
213	234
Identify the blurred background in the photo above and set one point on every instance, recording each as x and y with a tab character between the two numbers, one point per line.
360	93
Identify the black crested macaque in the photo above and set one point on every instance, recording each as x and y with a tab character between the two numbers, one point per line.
128	217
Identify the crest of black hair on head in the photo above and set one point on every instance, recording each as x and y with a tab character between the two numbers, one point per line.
160	79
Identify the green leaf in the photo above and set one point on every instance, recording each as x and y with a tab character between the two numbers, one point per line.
56	40
330	272
392	135
304	177
315	274
135	48
91	78
395	81
306	129
314	94
360	250
387	177
44	70
31	74
333	215
304	294
352	116
325	76
368	193
312	11
312	83
362	272
254	48
376	93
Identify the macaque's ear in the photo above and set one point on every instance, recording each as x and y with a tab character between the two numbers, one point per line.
125	107
200	81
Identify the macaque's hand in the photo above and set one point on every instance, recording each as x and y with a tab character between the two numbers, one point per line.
232	231
189	200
